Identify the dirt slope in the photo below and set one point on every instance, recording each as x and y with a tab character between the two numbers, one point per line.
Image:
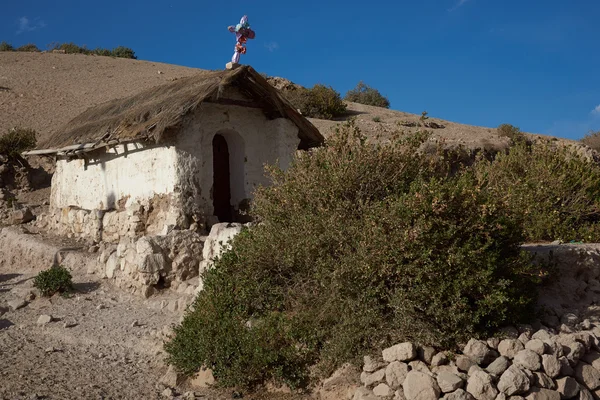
45	91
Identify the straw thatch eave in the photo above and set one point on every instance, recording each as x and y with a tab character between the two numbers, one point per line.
158	113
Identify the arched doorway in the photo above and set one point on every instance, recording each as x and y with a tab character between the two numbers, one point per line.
221	180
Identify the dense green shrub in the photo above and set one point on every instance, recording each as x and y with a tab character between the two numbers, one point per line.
54	280
319	102
123	52
592	140
365	94
511	132
4	46
16	141
357	246
29	47
552	189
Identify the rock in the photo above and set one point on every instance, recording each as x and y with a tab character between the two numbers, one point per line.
464	363
371	364
15	305
501	396
21	216
585	394
481	386
439	359
203	379
514	381
395	374
420	366
516	398
493	343
543	394
168	393
524	338
399	395
474	369
542	334
44	319
565	367
459	394
364	394
100	307
587	375
449	382
510	347
509	332
542	380
565	329
420	386
400	352
586	324
231	65
374	378
536	345
479	352
551	365
569	319
528	359
593	358
170	378
499	365
586	338
426	353
573	350
383	390
69	323
567	387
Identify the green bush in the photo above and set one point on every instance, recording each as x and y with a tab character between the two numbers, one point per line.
30	47
553	190
344	260
365	94
54	280
511	132
4	46
16	141
319	102
123	52
592	140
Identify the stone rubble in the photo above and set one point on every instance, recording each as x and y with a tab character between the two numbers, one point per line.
567	368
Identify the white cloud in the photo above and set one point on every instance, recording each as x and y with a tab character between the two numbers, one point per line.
27	25
596	111
272	46
459	4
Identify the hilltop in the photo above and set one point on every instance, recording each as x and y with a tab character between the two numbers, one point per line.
44	91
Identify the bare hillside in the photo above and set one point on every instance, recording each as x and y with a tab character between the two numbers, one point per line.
44	91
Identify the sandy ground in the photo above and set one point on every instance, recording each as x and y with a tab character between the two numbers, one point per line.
101	344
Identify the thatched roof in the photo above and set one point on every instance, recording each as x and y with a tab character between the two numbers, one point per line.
157	113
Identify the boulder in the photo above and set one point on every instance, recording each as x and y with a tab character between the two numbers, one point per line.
585	394
593	358
587	375
499	365
383	390
426	353
449	382
510	347
528	359
420	366
400	352
439	359
464	363
542	334
44	319
551	365
565	367
395	374
543	394
420	386
371	364
481	386
536	345
514	381
21	216
542	380
479	352
171	378
567	387
374	378
364	394
203	379
459	394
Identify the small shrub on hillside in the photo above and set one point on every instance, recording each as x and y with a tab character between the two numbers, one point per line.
54	280
365	94
377	119
123	52
345	260
30	47
592	140
72	48
16	141
4	46
511	132
553	190
319	102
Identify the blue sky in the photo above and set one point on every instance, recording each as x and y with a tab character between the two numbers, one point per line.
531	63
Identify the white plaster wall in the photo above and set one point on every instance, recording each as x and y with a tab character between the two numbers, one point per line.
253	141
127	170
